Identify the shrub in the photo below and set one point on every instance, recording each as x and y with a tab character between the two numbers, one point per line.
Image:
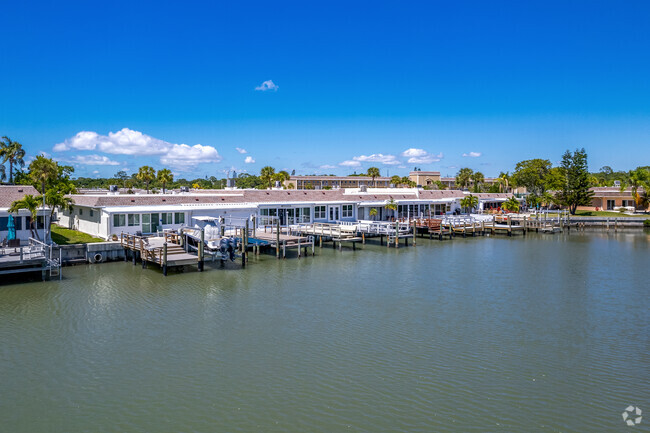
646	223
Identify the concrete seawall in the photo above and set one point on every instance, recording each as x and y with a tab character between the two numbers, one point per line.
91	253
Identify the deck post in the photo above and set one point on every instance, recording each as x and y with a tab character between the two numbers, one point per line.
509	226
164	262
354	246
568	220
254	224
298	248
381	239
363	238
277	239
313	246
320	241
284	249
201	251
396	233
525	225
482	227
415	231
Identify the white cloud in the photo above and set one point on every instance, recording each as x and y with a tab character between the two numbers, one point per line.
420	156
267	85
350	163
240	150
472	154
378	157
184	156
95	171
249	160
92	160
327	167
129	142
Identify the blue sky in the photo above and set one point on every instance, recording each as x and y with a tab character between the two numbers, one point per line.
354	84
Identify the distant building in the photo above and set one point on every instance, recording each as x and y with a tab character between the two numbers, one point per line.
333	182
611	198
431	179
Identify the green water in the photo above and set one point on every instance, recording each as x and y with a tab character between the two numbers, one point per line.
546	333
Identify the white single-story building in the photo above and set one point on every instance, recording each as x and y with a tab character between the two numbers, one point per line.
22	219
105	215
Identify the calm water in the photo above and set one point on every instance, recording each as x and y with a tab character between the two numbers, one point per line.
538	334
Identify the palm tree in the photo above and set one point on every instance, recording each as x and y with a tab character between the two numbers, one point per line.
504	181
391	205
165	176
373	172
3	173
396	180
281	176
13	152
511	205
469	202
30	203
58	199
146	175
478	179
43	171
266	174
463	177
373	213
636	179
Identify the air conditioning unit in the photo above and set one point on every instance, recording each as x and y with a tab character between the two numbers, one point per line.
363	188
185	189
112	188
278	184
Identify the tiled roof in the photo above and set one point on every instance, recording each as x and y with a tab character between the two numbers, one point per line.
263	196
11	193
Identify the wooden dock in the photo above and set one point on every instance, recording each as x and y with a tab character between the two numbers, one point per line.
33	257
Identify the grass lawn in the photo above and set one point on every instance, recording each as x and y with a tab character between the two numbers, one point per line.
63	236
588	213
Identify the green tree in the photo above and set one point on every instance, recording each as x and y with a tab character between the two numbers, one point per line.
511	205
469	202
636	179
12	152
396	180
43	171
440	185
391	205
463	177
267	174
30	203
146	175
122	177
3	173
165	176
575	190
373	212
477	179
373	172
503	181
281	176
532	174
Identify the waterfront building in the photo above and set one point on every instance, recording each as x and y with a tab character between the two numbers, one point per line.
21	219
612	198
334	182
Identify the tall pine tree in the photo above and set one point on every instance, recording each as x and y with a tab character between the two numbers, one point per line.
575	188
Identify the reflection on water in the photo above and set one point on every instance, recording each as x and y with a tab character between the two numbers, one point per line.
543	333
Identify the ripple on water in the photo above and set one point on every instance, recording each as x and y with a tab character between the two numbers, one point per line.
489	334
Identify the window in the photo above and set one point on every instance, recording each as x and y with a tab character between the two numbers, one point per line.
320	212
146	223
166	218
347	211
81	211
611	204
179	218
91	213
119	220
134	219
